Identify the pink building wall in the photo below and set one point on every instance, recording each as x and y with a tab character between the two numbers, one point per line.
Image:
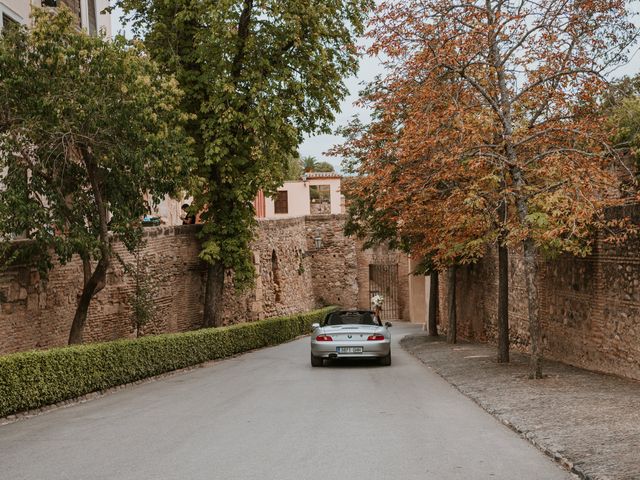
299	201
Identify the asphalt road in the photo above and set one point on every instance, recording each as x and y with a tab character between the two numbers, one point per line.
269	415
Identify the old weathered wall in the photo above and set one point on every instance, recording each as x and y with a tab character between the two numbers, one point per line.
284	274
589	307
37	314
334	264
293	274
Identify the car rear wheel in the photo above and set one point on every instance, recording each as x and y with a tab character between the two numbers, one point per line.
386	360
316	361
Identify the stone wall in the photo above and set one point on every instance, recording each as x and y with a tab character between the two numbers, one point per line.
35	313
284	281
334	264
589	307
294	273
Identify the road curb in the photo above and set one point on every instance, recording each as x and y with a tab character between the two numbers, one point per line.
556	456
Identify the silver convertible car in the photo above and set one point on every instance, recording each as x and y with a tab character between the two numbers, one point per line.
350	334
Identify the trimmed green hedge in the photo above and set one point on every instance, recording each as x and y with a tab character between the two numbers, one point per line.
33	379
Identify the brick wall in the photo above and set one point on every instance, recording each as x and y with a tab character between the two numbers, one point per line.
293	275
589	307
37	314
334	264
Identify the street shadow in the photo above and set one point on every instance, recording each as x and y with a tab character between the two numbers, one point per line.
353	363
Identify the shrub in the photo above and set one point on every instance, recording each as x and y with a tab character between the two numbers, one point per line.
34	379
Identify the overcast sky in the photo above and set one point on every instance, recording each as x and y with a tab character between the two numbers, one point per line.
369	68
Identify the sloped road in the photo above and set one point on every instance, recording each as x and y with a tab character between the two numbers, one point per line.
269	415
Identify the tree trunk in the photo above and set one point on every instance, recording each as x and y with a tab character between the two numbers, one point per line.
505	105
213	295
503	304
96	281
92	286
530	270
452	333
433	304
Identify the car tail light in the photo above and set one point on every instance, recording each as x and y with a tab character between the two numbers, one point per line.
324	338
375	337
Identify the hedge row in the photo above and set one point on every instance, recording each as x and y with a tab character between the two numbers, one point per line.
34	379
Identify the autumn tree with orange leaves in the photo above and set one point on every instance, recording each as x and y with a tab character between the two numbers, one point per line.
405	193
486	129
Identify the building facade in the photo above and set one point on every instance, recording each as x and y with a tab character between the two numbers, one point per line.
316	193
90	13
380	270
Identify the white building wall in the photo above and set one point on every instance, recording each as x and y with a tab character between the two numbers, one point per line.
20	10
103	19
298	198
169	210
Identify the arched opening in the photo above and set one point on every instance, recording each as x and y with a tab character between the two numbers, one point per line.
275	270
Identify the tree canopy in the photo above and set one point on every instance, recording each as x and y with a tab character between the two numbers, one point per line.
258	75
294	169
488	125
297	166
622	104
312	164
88	129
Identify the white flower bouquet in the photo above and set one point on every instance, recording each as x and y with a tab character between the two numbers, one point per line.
377	300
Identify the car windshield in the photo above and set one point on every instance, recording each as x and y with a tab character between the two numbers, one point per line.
352	318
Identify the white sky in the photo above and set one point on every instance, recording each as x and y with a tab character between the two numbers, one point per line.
370	67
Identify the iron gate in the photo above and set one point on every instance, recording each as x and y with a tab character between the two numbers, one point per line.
383	280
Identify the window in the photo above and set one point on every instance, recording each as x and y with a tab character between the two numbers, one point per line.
8	22
282	202
351	318
8	17
320	197
75	6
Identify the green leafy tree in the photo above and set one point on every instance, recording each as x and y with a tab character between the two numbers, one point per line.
294	168
627	118
88	128
312	164
309	163
623	106
324	167
258	75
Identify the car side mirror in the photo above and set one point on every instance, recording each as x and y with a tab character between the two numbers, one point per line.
315	325
388	324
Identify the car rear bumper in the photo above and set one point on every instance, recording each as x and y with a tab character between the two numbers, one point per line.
369	349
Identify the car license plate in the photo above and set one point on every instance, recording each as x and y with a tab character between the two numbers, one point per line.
349	349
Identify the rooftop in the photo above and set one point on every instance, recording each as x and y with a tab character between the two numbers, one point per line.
309	175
